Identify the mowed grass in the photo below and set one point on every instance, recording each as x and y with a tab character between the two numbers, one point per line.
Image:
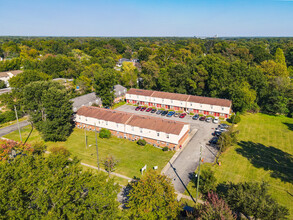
264	153
131	157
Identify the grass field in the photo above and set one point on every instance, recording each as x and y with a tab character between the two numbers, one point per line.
131	157
264	153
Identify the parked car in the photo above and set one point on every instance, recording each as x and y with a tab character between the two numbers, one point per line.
164	113
217	133
170	114
148	109
182	115
216	120
202	118
153	110
209	119
176	114
224	126
195	117
214	140
137	108
142	109
159	112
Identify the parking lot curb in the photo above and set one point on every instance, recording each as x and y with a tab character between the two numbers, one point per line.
192	133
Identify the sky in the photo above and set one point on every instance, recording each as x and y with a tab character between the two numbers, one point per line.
204	18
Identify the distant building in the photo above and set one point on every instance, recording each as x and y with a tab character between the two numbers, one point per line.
122	60
5	76
91	98
156	131
182	102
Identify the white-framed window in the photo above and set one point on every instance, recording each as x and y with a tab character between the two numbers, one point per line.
117	132
117	125
106	122
181	103
171	101
132	128
158	134
158	142
162	100
211	107
79	117
167	135
141	130
137	96
167	144
154	99
129	96
141	137
222	108
201	105
190	104
86	118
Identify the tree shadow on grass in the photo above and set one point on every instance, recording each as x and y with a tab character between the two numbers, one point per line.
270	158
290	126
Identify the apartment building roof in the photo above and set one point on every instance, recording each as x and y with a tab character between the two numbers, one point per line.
141	121
181	97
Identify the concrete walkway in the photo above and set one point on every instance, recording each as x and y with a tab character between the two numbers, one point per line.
11	128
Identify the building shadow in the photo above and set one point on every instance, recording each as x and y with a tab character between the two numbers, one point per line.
269	158
174	169
289	125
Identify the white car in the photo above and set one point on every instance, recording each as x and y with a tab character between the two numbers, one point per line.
216	120
209	119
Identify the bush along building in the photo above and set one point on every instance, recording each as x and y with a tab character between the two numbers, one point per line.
182	102
156	131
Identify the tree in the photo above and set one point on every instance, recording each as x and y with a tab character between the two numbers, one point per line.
153	197
235	118
53	187
208	180
49	108
109	163
253	199
105	133
215	208
105	80
227	139
129	75
144	54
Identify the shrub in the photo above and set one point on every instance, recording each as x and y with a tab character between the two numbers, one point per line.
141	142
105	133
60	151
165	148
208	180
235	118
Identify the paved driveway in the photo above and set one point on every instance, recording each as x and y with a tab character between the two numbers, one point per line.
11	128
186	163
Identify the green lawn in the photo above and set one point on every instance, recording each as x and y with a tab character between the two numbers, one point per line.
131	156
264	153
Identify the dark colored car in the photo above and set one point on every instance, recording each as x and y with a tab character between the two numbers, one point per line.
153	110
217	133
224	126
159	112
214	140
164	113
202	118
182	115
149	109
170	114
142	109
137	108
195	117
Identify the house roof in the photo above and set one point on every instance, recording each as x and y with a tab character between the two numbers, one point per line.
119	90
13	72
85	100
141	121
182	97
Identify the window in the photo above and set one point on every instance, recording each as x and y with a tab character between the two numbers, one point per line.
158	142
138	96
201	106
117	125
129	96
106	123
167	144
141	130
222	109
171	101
162	100
79	117
86	118
211	107
181	103
154	99
158	134
132	128
190	104
117	132
167	135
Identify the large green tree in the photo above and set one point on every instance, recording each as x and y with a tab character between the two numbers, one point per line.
53	187
50	110
153	197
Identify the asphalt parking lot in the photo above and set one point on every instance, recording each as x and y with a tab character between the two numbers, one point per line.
186	163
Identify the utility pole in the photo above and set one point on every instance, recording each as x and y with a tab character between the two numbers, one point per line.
97	147
85	137
198	174
17	123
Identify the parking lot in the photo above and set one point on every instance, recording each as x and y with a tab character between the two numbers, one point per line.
187	161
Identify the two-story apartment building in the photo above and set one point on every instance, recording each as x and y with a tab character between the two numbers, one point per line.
156	131
175	101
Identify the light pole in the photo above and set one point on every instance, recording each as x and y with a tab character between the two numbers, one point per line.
17	123
198	175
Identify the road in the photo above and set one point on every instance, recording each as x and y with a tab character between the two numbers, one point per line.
11	128
182	169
